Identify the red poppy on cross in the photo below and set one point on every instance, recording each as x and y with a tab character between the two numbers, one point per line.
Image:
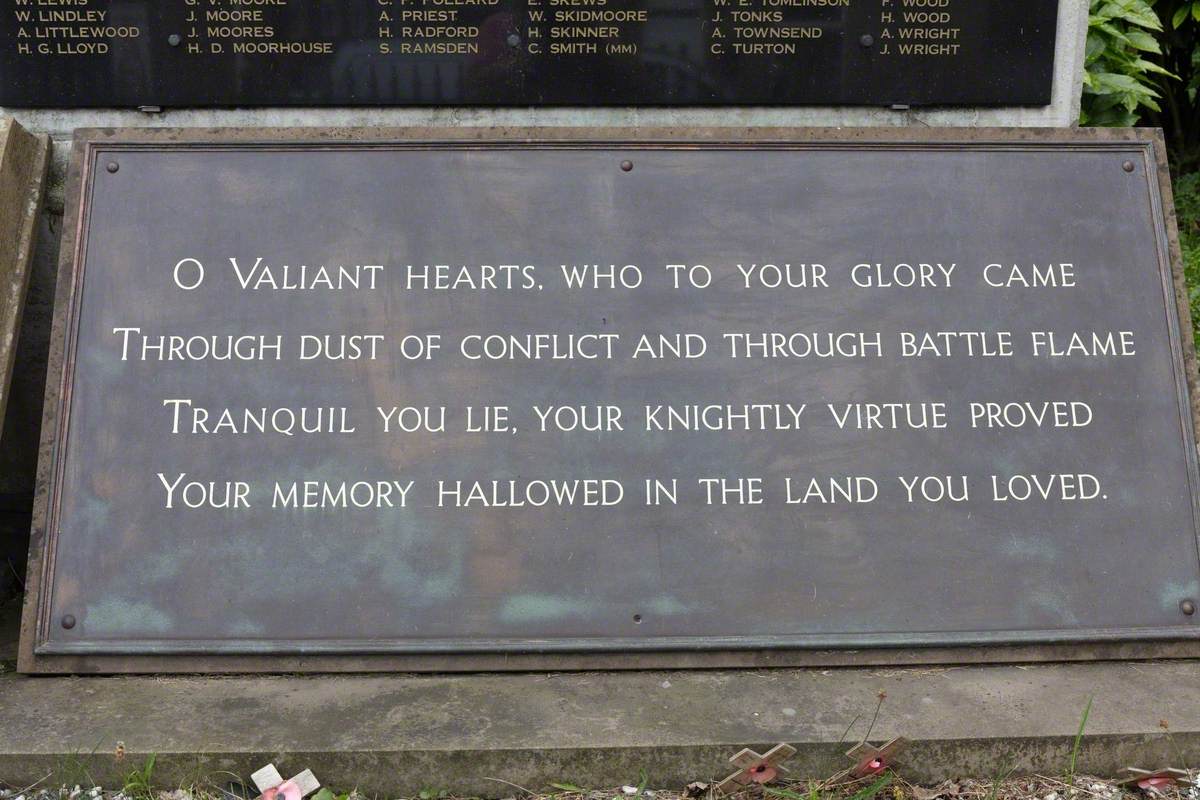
274	787
1153	782
871	760
755	768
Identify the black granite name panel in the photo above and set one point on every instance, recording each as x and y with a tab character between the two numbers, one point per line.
173	53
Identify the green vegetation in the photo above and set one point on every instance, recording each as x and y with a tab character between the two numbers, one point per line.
138	784
1179	116
1078	741
999	781
1187	211
887	786
1142	67
1119	77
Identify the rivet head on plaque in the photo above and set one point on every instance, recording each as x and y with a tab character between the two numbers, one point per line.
1188	607
626	166
513	40
112	166
174	40
68	621
1127	166
866	40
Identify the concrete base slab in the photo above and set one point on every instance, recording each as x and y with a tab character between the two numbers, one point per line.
480	734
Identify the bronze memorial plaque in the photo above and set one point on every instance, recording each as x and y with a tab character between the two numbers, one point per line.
505	399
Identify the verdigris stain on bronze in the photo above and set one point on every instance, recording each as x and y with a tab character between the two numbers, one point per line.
501	581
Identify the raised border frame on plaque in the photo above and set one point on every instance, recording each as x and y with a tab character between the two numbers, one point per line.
91	146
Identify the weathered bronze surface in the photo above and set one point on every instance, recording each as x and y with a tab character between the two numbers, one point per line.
527	52
423	587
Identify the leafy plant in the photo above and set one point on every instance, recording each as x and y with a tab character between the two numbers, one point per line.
788	794
1179	57
643	782
1189	8
569	787
137	783
1142	66
998	780
867	792
1187	212
1078	741
73	769
1119	80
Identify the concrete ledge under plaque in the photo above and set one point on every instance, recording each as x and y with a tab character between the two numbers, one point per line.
477	734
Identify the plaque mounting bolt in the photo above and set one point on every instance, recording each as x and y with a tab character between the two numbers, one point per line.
513	40
68	621
866	40
626	166
1188	607
174	40
113	166
1127	166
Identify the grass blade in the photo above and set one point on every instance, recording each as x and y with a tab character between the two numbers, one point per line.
1078	741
